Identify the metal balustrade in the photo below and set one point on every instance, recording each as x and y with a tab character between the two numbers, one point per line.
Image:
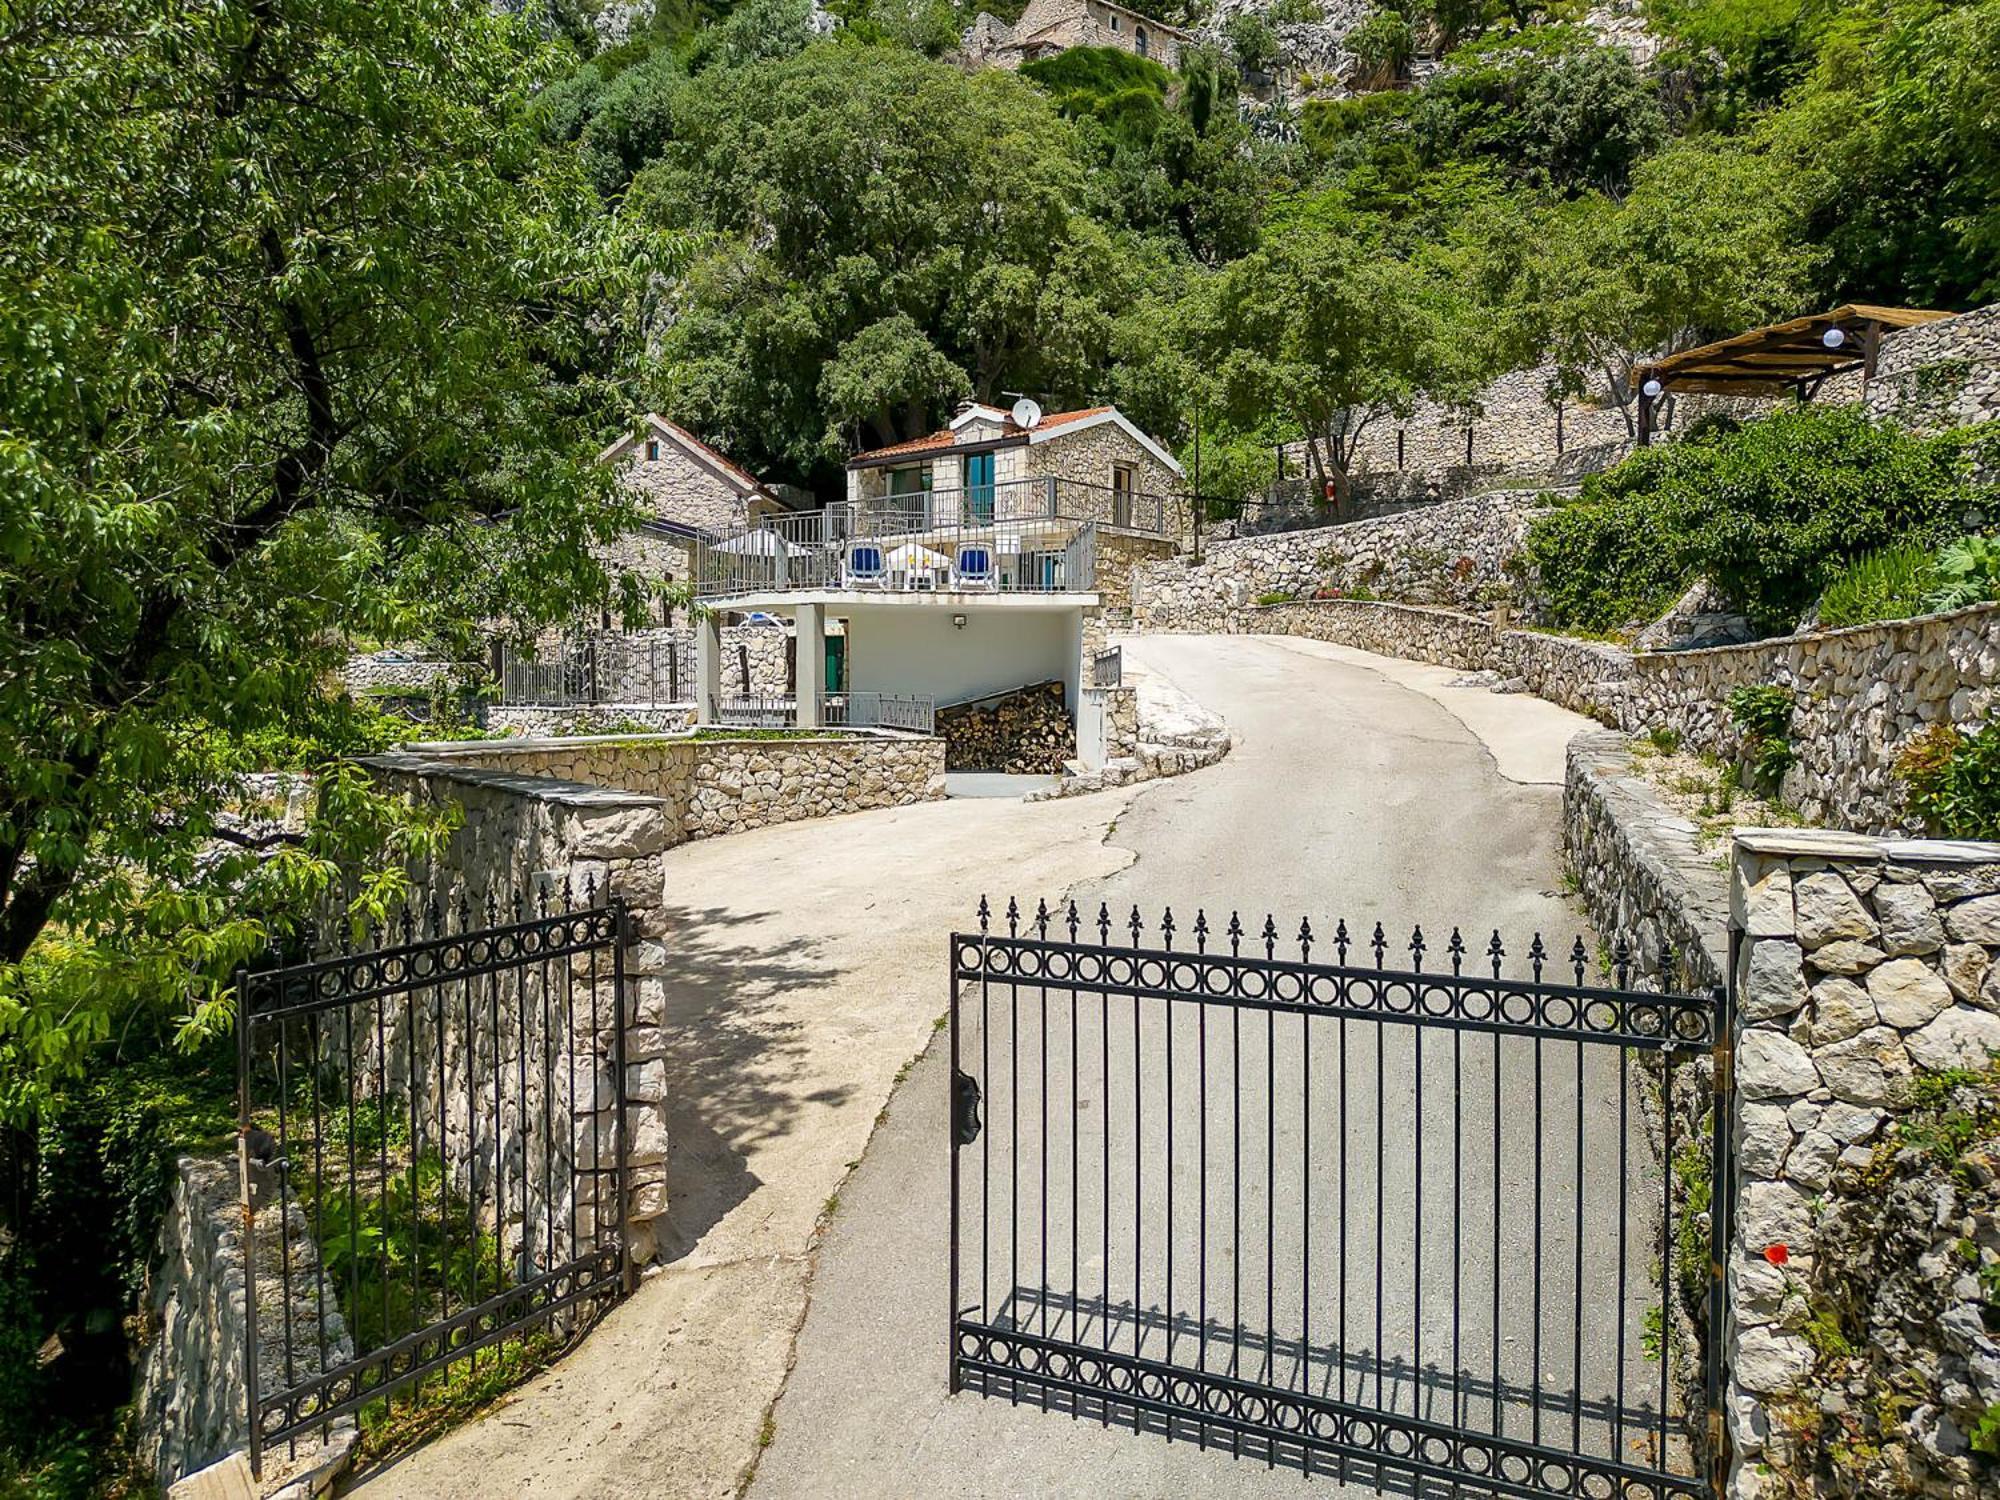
913	712
1017	536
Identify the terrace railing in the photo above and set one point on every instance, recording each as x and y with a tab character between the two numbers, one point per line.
913	712
1021	536
599	668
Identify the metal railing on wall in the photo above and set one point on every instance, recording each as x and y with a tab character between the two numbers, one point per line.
1107	668
1012	536
913	712
601	669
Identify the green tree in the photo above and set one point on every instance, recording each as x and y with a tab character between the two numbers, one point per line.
864	205
298	325
1711	241
1318	328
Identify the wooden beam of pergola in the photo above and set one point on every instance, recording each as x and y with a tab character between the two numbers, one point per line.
1783	357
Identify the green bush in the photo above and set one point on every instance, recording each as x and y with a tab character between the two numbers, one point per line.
1764	714
1966	572
1953	781
1770	513
1892	583
1124	93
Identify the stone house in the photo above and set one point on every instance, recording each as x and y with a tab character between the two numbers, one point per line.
1048	27
1089	465
686	490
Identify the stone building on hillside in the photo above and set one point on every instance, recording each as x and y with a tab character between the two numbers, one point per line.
686	490
1049	27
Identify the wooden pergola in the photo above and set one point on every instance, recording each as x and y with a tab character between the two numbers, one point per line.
1793	358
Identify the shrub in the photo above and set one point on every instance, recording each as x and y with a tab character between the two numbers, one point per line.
1953	780
1966	572
1892	583
1769	513
1764	714
1277	596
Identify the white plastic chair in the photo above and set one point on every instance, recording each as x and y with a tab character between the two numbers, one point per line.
864	566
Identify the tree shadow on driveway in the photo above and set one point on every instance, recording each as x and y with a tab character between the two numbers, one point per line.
733	1059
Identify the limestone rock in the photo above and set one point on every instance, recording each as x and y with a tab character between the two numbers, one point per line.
1869	1069
1841	1009
1909	919
1962	1037
1774	984
1965	969
1974	921
1771	1065
617	832
1765	1139
1845	956
1829	910
1907	992
1774	1213
1810	1163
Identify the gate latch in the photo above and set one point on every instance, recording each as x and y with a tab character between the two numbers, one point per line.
964	1109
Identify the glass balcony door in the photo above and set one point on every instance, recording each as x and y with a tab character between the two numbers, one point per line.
979	486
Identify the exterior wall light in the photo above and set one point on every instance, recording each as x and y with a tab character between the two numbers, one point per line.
1652	388
958	622
1833	338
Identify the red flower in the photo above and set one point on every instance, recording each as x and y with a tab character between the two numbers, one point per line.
1777	1255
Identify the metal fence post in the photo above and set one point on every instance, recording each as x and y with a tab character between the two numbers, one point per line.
621	926
1721	1218
256	1436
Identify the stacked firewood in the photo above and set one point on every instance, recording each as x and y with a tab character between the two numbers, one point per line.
1027	732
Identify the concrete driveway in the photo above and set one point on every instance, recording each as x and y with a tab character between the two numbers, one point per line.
1358	787
806	975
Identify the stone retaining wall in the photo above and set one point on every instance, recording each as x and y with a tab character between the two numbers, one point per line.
1931	376
1863	1343
1638	869
380	673
1863	693
595	718
706	786
189	1405
1584	676
1454	553
531	834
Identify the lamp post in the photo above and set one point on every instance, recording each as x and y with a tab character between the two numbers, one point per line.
1648	394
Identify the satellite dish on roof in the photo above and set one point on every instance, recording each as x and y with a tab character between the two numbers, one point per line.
1026	413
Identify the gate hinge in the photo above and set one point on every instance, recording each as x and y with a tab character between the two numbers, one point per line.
964	1109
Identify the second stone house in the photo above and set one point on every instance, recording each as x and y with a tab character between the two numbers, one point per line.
1048	27
686	490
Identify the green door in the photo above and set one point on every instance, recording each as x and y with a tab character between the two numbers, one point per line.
979	486
836	664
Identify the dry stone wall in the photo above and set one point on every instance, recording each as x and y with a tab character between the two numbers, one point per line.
1584	676
1862	693
1932	376
1640	870
189	1405
710	785
1454	553
1864	1332
544	838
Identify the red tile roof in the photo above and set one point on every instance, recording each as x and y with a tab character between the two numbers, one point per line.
945	437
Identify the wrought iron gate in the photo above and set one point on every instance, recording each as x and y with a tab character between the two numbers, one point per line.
1426	1220
433	1152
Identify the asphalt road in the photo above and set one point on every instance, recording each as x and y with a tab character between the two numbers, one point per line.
1390	1216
